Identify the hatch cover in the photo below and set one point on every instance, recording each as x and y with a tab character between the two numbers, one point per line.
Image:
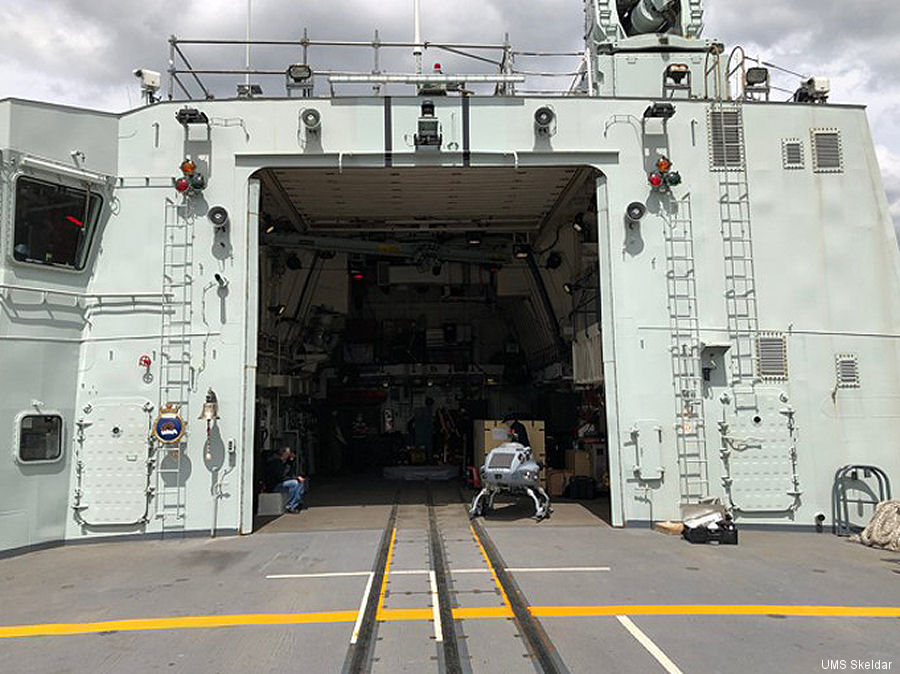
114	471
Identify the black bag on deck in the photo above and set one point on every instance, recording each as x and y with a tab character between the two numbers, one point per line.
582	487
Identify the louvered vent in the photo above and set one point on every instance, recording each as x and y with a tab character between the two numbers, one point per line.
792	153
826	150
726	149
847	370
771	352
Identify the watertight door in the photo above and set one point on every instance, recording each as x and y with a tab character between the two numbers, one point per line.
113	469
759	455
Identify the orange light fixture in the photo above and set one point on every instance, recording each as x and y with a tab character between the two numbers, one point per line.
664	164
188	167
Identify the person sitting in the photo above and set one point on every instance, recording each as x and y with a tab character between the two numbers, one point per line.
279	477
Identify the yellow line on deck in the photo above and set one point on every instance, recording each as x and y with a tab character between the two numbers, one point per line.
390	614
482	613
142	624
716	609
387	615
491	567
384	580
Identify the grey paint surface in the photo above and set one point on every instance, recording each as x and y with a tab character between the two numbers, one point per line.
227	576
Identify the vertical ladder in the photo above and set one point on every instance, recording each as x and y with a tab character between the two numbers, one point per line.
687	373
740	276
175	361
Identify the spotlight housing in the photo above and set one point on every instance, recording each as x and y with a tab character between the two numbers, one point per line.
312	119
521	251
218	216
635	211
299	72
554	260
545	121
188	116
659	111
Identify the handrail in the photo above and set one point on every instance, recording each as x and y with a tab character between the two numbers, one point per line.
98	296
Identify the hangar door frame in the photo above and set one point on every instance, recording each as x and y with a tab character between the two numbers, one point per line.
251	315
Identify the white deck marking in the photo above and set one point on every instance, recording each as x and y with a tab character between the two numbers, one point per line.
335	574
362	608
560	569
485	570
436	608
410	572
647	643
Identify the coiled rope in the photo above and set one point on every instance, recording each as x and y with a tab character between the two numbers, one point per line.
884	529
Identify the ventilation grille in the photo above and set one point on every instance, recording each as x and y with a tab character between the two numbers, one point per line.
826	150
726	147
771	352
847	370
792	153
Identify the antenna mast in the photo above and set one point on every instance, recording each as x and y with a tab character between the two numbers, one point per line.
417	50
247	48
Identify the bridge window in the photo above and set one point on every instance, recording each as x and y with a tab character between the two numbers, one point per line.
40	437
54	223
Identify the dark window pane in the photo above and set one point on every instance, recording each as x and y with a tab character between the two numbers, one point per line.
54	223
40	438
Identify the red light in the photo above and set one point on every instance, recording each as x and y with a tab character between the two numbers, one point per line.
656	180
145	361
359	277
75	221
182	185
437	67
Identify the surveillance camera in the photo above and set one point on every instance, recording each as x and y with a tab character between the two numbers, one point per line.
150	79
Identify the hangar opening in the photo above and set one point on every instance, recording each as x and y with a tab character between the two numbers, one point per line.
406	315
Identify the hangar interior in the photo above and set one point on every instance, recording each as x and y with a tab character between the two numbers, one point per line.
406	312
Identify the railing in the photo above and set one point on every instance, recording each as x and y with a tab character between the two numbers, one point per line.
193	83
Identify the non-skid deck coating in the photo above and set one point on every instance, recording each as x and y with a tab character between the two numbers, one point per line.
608	600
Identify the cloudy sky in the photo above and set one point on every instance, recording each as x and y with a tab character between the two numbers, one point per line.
82	53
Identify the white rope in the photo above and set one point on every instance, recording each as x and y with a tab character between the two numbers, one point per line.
884	529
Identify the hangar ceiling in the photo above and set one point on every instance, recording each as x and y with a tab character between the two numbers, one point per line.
413	199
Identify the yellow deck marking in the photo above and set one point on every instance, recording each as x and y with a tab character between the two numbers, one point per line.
491	567
141	624
716	609
481	613
387	573
326	617
390	614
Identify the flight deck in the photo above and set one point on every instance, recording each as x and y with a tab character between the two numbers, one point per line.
397	579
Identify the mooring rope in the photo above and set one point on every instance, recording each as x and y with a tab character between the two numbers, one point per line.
884	529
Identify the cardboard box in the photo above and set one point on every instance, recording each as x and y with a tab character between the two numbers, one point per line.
581	462
490	434
557	481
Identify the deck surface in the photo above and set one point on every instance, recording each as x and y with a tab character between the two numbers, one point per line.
289	598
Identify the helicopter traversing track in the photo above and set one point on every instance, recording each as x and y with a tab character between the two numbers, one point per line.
511	468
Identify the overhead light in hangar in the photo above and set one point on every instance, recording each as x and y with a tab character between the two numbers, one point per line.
278	309
521	251
578	223
474	238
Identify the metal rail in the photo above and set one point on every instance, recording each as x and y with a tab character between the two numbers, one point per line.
451	662
359	654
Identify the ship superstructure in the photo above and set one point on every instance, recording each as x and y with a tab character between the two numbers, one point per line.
197	281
